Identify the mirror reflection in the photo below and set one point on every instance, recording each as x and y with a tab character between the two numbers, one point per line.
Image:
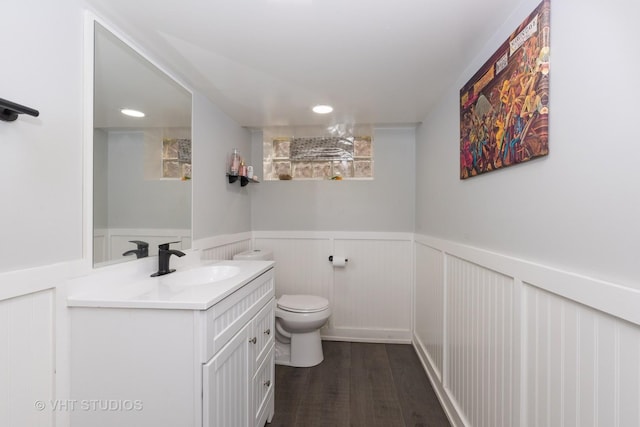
141	165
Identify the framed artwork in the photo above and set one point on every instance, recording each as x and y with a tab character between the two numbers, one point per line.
504	107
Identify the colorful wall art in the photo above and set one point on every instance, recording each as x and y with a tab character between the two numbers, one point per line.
504	108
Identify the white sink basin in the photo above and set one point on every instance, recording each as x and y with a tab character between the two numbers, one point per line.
200	275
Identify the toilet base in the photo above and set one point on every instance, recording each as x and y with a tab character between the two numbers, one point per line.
304	351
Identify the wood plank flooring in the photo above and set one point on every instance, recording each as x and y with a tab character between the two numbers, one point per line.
358	384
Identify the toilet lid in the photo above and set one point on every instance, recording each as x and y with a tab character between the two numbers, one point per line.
302	303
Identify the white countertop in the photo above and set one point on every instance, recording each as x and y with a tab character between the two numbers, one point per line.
127	289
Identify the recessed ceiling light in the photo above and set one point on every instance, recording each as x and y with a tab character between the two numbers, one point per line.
132	113
322	109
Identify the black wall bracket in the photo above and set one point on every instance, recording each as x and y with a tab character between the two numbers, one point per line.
9	110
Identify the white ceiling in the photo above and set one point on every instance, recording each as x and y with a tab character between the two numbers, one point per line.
267	62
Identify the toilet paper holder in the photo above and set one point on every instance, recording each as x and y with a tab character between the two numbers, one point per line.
331	259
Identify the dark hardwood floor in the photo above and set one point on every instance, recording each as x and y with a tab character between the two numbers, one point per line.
358	384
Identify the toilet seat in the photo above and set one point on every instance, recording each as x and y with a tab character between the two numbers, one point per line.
302	303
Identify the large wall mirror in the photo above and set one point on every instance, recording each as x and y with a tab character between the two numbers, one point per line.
141	165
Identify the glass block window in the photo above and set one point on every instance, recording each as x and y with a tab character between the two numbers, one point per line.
176	158
316	158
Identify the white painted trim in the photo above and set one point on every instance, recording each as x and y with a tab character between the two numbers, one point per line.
147	231
520	355
221	240
368	336
445	324
22	282
414	276
87	137
333	235
284	234
90	19
611	298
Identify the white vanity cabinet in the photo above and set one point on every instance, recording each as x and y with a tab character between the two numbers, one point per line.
244	367
145	366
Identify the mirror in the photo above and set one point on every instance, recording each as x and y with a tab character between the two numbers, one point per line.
141	166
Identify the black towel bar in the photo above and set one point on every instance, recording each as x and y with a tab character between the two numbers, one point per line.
9	110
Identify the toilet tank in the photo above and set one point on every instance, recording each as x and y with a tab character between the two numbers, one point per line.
254	255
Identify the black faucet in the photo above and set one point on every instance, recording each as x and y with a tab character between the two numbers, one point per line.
164	253
141	252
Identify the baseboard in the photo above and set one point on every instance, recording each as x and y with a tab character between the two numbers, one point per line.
449	407
382	336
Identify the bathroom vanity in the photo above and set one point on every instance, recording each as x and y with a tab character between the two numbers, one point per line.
192	348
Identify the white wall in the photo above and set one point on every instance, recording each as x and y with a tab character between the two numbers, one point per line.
41	177
218	207
576	208
384	204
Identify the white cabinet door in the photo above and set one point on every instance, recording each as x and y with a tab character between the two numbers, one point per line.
263	390
226	384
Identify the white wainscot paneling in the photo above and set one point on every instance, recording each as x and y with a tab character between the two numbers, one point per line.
226	251
525	344
373	293
27	360
370	297
479	369
302	265
100	246
582	366
429	317
223	247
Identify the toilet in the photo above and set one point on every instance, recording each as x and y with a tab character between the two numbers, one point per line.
298	322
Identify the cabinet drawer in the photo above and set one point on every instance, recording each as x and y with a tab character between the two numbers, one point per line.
263	332
263	386
226	318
